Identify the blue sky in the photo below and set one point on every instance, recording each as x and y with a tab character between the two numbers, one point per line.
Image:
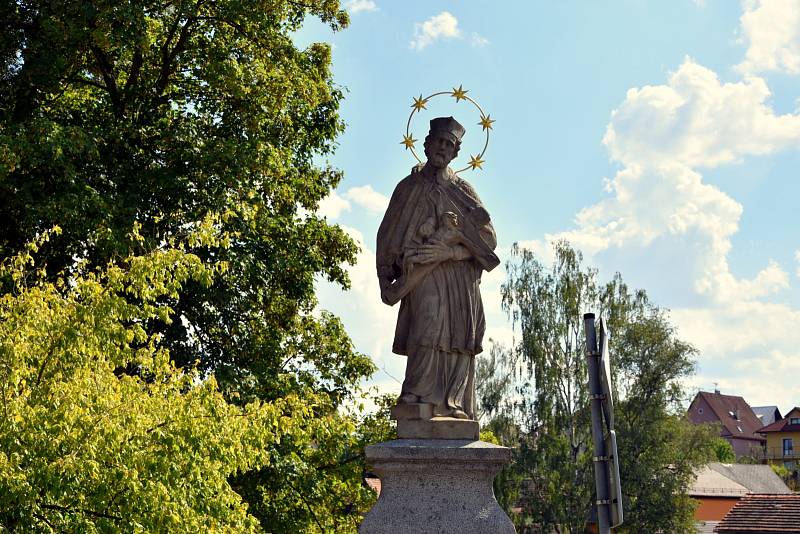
660	138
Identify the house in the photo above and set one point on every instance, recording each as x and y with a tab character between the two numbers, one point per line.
738	423
759	514
717	488
767	414
783	440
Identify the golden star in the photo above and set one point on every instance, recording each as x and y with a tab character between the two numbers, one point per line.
486	122
419	103
476	162
409	141
459	94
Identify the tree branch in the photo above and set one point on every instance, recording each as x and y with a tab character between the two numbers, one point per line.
107	71
80	511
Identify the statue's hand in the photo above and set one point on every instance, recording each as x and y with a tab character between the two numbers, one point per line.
432	252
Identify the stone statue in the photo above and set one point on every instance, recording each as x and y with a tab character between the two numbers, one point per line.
434	242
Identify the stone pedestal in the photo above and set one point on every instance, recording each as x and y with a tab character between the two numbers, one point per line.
436	486
416	421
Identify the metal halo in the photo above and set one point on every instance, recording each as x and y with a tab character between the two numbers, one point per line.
458	94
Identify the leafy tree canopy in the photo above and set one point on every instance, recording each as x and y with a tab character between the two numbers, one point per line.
159	114
173	118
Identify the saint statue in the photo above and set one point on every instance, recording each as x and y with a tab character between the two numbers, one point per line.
434	242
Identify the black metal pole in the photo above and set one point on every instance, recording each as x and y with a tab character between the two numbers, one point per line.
600	455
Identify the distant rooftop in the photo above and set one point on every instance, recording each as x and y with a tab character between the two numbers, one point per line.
735	480
767	414
759	514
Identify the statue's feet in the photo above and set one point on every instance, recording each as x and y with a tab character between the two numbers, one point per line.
459	414
408	398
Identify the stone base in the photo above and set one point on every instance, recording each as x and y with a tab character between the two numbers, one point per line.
415	420
412	410
438	428
436	486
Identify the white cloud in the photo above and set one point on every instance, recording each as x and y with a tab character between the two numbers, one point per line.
747	349
332	206
441	26
661	134
698	121
368	320
478	40
664	220
772	31
357	6
369	199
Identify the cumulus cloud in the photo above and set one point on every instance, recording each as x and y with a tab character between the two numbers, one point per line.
369	199
661	135
357	6
332	206
772	31
363	196
663	218
441	26
698	121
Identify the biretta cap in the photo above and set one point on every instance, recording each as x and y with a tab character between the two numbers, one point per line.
449	127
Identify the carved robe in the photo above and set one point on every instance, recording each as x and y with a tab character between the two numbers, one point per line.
440	325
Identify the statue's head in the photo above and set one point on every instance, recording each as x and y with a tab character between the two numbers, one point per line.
443	141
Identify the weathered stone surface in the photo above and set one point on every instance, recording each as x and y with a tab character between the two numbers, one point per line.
434	242
415	410
438	428
436	487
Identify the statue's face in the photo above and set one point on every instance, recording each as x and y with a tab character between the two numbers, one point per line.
439	150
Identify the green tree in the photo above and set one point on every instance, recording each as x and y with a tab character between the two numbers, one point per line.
723	451
547	398
85	449
161	115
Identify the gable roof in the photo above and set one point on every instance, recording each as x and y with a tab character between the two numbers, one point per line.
735	480
767	414
756	513
784	424
726	408
757	478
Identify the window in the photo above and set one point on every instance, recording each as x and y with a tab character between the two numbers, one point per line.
788	447
739	429
700	410
794	421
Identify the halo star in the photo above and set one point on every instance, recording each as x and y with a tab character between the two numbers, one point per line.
486	122
409	141
476	162
459	94
419	103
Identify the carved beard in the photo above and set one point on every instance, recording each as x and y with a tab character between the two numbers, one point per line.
437	159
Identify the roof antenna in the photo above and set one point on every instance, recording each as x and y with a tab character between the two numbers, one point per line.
716	388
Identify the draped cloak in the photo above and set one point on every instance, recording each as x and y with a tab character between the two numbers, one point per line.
440	325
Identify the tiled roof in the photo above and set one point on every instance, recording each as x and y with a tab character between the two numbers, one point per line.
783	425
757	513
725	405
374	484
